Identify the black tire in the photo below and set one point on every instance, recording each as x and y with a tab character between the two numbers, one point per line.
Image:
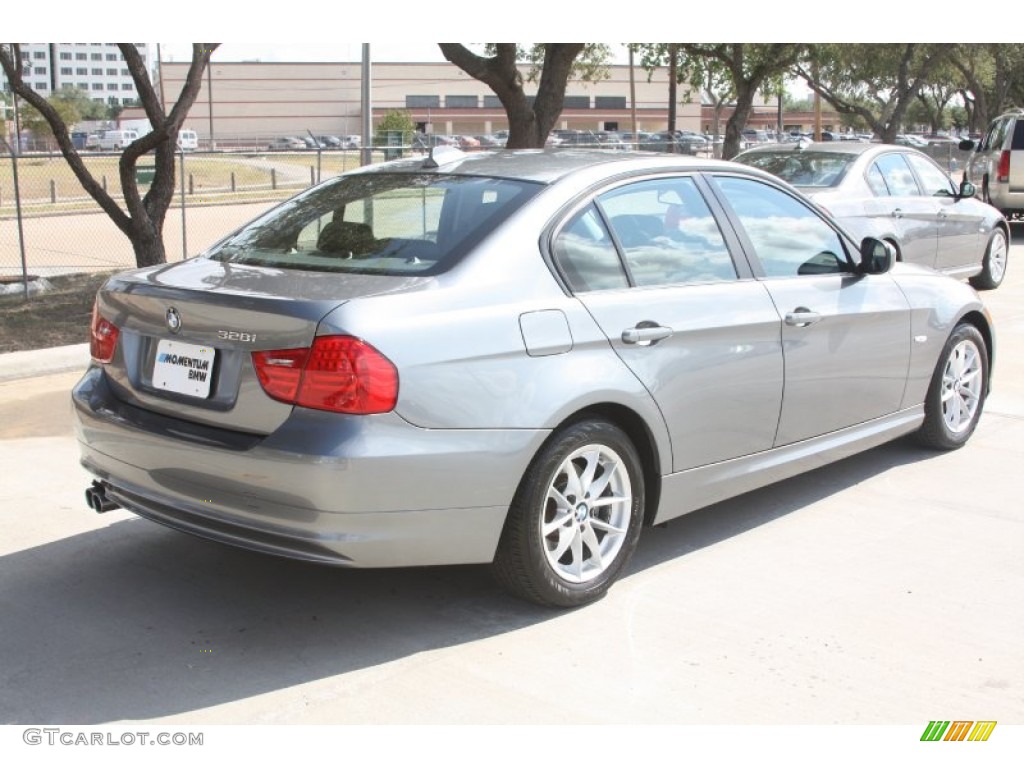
957	391
568	553
993	265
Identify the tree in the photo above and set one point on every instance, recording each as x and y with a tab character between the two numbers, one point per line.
33	120
552	64
992	74
395	120
729	71
143	220
875	81
87	108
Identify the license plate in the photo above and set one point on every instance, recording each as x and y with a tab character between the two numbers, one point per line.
183	368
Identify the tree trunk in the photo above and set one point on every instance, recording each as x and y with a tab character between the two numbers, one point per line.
143	221
528	126
738	120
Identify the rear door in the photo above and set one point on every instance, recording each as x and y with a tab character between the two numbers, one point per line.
650	263
845	337
905	211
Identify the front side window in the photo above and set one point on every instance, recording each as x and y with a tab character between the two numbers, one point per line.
789	238
667	233
933	180
376	223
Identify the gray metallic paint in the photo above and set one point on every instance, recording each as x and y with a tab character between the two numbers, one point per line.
494	355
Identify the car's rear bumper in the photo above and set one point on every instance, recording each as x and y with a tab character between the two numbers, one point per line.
1004	199
362	491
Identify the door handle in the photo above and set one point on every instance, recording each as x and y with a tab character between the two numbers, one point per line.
646	333
897	213
801	317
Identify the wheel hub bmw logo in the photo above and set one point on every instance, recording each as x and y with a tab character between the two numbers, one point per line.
173	320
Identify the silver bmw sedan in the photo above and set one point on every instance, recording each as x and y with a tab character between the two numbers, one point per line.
519	358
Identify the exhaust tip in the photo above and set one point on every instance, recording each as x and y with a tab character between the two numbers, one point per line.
97	499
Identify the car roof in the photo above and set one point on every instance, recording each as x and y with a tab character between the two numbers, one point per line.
832	147
545	165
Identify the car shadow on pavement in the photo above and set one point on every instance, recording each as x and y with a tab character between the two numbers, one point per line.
134	621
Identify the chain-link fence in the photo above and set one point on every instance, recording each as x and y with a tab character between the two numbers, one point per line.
49	225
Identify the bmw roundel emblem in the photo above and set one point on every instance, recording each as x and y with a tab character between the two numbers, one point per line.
173	320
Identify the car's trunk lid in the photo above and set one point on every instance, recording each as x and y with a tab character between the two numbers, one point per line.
187	333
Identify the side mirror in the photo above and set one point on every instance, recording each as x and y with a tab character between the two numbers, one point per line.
966	145
966	189
876	256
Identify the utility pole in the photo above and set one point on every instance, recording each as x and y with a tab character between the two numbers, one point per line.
209	92
632	100
365	153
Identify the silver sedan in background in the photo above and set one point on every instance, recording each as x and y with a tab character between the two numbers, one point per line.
900	195
518	358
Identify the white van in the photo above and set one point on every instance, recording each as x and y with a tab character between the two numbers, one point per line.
188	139
116	139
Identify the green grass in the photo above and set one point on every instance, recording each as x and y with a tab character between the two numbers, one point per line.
48	185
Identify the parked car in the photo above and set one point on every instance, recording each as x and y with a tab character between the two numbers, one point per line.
899	195
116	139
910	140
674	143
311	143
753	136
516	358
490	141
329	142
287	142
468	143
352	142
188	140
997	163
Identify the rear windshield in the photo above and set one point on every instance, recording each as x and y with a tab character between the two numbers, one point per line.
391	224
803	169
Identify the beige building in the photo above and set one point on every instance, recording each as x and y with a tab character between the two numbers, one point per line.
250	103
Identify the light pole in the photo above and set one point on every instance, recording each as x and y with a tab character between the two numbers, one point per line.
365	153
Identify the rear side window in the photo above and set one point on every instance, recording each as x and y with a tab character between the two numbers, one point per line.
1018	135
586	256
392	224
897	175
667	233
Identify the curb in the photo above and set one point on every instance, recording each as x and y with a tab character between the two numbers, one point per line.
40	362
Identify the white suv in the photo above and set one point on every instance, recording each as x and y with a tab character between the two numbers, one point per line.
997	164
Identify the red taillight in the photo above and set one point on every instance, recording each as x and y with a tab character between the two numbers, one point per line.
103	337
338	373
1003	171
279	372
